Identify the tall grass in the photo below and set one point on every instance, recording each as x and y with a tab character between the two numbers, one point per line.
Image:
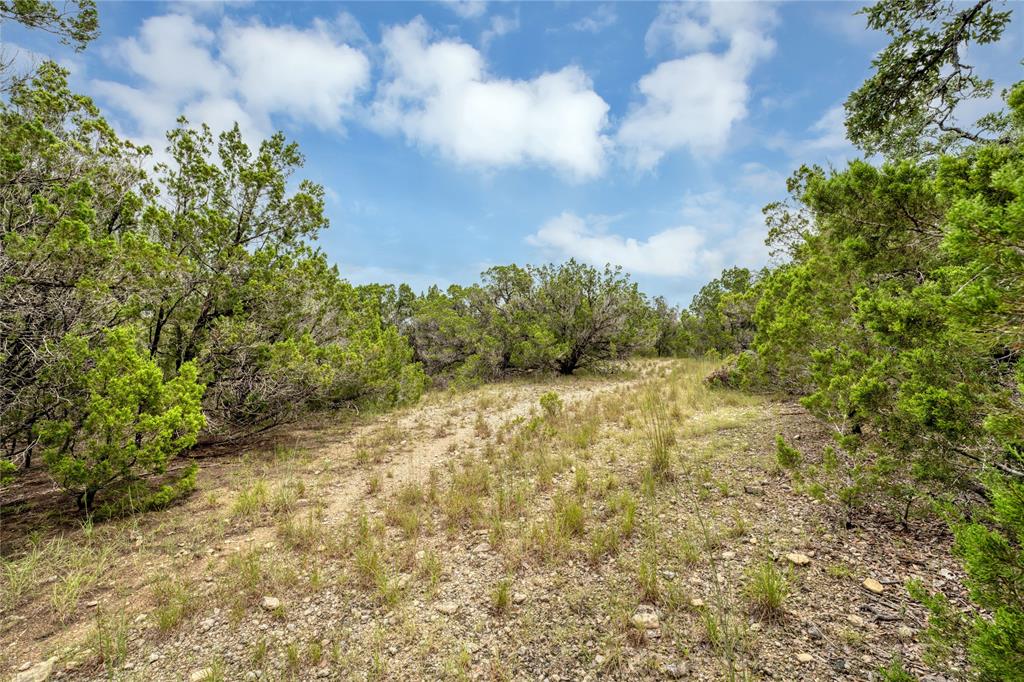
658	433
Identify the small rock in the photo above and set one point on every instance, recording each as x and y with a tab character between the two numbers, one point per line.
804	658
854	619
728	555
38	672
271	603
677	671
154	657
798	558
403	581
482	548
518	598
872	585
420	555
447	607
645	618
696	602
839	665
599	660
200	675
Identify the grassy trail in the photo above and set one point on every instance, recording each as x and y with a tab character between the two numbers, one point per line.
636	526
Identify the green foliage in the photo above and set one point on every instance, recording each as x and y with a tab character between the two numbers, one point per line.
897	314
126	420
551	404
75	22
786	455
993	556
206	266
908	105
560	318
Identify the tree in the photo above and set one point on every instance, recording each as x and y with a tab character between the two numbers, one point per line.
76	23
70	196
126	420
581	316
908	106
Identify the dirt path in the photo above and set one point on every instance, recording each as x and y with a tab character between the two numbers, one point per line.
477	536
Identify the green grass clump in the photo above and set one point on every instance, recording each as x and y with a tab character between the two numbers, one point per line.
766	590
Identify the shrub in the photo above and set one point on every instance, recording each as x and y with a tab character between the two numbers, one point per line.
551	404
128	420
786	456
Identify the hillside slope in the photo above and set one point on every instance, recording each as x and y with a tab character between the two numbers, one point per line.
636	526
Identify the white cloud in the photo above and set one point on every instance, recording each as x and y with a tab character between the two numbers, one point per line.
303	73
694	101
440	95
675	252
499	26
467	9
713	232
246	73
603	17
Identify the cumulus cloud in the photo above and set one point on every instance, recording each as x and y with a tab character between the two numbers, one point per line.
303	73
438	94
247	73
694	101
714	232
675	252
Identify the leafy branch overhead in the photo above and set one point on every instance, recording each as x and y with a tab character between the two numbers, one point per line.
908	106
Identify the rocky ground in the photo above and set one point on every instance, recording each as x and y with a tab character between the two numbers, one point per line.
638	526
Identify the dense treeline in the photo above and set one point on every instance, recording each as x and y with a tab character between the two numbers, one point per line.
144	311
898	313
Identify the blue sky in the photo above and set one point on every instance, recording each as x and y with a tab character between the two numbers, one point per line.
452	136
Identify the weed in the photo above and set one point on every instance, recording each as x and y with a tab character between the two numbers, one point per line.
501	596
551	404
570	517
766	590
604	542
895	672
251	501
786	456
659	435
174	600
109	640
647	578
67	591
580	480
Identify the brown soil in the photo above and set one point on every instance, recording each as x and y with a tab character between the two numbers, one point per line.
430	605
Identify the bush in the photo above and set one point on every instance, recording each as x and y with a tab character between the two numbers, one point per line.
551	404
787	456
128	421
